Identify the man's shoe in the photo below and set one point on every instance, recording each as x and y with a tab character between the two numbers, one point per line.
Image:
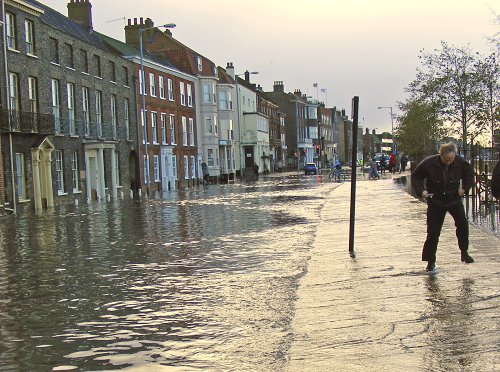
431	266
466	258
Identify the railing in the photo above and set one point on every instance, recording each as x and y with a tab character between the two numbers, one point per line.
13	121
93	131
482	208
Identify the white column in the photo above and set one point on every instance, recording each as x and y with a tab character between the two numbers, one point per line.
100	165
35	160
48	180
114	192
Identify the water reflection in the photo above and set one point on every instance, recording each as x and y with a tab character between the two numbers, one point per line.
199	279
451	332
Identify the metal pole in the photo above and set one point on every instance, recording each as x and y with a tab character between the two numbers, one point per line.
353	174
144	116
7	100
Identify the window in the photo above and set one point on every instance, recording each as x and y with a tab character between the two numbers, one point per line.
191	131
20	176
214	100
98	112
117	169
85	109
15	103
11	31
70	88
113	115
60	172
224	100
143	126
174	166
172	129
161	86
170	90
156	168
216	127
97	65
183	94
154	127
193	174
29	36
184	132
140	83
206	93
54	50
208	124
85	61
186	167
126	119
33	94
69	55
231	130
125	76
112	72
210	157
152	85
164	128
146	169
74	171
190	95
199	63
56	108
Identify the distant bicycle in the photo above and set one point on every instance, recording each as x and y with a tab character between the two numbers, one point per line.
335	174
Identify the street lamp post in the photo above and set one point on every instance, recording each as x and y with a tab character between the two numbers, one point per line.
238	116
143	99
392	127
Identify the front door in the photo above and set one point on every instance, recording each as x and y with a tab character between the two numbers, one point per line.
249	159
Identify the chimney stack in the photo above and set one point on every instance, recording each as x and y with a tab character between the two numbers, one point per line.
230	69
80	11
278	87
132	31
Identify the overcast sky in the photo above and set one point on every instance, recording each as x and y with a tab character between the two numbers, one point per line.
365	48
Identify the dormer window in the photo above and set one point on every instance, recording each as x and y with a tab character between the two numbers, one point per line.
199	62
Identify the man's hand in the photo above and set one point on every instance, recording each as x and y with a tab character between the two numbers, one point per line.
461	192
425	194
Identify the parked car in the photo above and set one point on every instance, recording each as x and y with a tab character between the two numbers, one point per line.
310	168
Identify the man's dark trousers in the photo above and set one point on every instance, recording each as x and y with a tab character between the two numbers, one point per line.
435	219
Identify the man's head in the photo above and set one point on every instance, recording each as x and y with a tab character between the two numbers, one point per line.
447	153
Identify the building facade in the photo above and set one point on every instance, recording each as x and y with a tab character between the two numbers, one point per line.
71	116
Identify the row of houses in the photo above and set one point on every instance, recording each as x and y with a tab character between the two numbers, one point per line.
86	117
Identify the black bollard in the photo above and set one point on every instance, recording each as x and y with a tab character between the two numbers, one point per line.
354	158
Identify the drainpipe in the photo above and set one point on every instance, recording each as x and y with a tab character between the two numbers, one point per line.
6	67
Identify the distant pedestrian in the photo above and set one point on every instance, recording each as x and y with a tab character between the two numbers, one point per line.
392	163
442	180
495	181
280	166
383	164
404	161
206	175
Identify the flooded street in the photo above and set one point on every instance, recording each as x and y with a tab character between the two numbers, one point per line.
202	279
245	277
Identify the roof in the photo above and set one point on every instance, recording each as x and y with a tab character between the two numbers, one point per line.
127	50
62	23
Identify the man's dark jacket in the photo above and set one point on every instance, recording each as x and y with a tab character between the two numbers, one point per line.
495	181
432	175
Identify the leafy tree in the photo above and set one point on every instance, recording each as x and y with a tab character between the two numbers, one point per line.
451	80
419	129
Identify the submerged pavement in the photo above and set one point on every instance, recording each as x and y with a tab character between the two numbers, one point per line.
381	311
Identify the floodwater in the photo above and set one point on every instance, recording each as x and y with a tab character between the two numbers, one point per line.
199	279
246	277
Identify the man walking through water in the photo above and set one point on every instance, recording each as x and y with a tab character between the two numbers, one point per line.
442	180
